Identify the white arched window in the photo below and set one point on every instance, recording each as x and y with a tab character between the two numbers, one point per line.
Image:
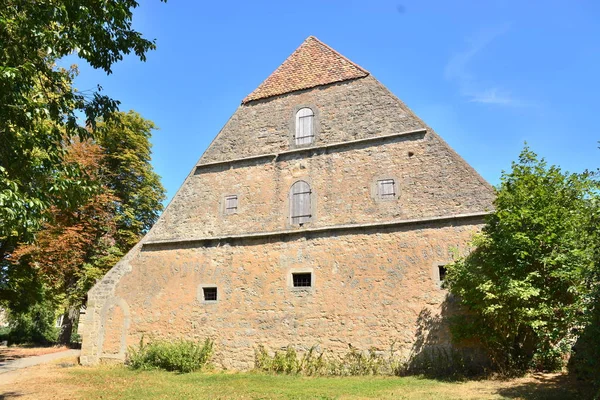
304	126
300	203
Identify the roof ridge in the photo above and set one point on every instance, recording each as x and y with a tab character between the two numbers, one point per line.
338	53
312	64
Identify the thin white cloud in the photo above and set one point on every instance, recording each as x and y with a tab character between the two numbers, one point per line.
493	96
458	70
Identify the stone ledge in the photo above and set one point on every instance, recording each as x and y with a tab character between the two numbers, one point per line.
260	235
276	156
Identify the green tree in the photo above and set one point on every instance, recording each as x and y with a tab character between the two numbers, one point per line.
528	280
38	104
77	246
585	357
125	142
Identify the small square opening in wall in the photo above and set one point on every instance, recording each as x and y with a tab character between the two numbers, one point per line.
302	279
210	293
442	273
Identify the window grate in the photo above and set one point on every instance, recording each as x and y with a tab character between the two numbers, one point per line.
210	293
303	279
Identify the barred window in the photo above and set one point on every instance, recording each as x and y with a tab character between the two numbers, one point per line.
303	279
210	293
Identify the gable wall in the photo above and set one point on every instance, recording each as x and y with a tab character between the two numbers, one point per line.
372	285
431	183
348	110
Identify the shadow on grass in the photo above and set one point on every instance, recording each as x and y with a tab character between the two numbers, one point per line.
549	387
433	356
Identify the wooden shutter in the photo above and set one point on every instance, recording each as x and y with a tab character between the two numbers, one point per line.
231	204
386	189
304	126
301	211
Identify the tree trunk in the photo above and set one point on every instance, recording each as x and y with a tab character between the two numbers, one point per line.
66	329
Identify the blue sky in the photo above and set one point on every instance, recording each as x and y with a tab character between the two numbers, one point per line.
486	75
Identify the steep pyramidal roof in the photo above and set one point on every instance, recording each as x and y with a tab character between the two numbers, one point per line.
312	64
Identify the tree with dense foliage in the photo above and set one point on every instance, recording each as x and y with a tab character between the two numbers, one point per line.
585	357
38	104
528	282
126	149
77	246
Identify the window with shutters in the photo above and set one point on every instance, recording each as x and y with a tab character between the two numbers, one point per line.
386	189
300	203
304	127
231	205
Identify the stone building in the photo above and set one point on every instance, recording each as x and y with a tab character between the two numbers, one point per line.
321	214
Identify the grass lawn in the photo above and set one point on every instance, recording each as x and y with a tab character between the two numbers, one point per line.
65	380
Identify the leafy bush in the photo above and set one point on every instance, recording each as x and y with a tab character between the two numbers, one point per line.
585	359
525	284
181	355
36	325
75	338
4	333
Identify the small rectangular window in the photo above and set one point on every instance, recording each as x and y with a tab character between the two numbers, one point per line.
231	204
386	189
303	279
442	273
210	293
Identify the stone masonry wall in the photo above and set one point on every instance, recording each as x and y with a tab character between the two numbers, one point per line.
370	288
431	182
345	111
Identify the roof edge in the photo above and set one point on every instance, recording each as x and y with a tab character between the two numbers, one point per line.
267	98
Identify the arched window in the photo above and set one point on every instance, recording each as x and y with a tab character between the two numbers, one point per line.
304	127
300	203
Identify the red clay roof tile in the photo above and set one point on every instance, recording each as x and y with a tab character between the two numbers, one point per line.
312	64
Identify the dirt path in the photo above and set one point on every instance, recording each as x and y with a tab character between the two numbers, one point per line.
15	352
7	367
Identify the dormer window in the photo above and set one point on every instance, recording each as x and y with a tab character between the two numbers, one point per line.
304	127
